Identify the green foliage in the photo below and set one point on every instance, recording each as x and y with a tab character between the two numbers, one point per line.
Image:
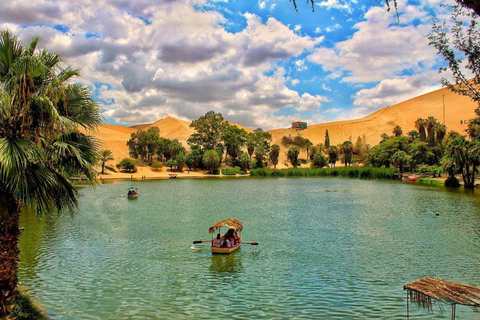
105	155
462	157
397	131
452	182
319	160
25	308
157	166
181	160
346	150
194	159
172	164
347	172
332	153
42	107
128	165
327	140
274	154
245	161
209	130
292	156
234	139
144	144
232	171
211	160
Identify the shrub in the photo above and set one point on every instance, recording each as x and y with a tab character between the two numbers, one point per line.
350	172
157	166
452	182
127	164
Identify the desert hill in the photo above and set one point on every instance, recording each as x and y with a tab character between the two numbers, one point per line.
404	114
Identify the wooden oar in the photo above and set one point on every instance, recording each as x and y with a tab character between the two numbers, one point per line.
252	243
200	241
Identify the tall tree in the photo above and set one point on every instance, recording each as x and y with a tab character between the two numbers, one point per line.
209	131
431	127
332	153
292	156
40	146
274	154
346	149
211	160
327	139
234	139
465	157
420	125
105	155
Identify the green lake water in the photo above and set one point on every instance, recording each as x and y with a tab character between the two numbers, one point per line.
329	249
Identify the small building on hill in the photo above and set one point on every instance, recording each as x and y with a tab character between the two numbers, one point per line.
299	125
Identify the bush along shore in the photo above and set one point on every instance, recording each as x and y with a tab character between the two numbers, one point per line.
347	172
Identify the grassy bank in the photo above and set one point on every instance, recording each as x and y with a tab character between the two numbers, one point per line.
346	172
26	309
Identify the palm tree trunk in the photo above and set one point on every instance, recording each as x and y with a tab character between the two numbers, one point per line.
9	252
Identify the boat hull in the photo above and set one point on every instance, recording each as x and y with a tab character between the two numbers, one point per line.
225	250
131	197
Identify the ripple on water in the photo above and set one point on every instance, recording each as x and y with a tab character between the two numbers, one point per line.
329	249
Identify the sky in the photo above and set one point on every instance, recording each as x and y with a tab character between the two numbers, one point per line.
259	63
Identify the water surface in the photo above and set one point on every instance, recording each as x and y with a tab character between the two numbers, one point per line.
329	248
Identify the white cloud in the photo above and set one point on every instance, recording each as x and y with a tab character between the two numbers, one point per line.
294	82
301	65
325	87
152	59
392	91
379	49
310	103
335	4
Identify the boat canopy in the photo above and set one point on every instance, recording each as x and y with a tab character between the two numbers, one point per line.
132	188
230	223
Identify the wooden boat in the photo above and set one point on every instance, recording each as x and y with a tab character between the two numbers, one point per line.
229	223
132	193
225	250
172	176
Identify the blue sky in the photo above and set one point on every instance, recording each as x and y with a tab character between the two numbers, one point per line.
259	63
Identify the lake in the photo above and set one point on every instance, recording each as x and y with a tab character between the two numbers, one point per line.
328	248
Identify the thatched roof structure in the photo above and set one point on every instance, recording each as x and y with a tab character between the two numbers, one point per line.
230	223
449	292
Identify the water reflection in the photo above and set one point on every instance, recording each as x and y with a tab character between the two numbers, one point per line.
230	263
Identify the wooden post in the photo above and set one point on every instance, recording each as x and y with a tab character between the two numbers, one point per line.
408	316
453	311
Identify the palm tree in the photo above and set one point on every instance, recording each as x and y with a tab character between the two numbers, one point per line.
105	155
40	146
420	125
274	154
412	135
332	153
397	131
431	127
346	149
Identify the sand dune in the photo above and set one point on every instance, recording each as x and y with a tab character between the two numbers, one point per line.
404	114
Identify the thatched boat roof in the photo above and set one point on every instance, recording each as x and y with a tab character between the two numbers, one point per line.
448	292
230	223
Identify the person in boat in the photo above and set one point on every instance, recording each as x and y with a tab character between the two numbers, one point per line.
236	237
217	242
230	238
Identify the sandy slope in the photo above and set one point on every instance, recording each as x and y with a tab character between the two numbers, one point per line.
404	114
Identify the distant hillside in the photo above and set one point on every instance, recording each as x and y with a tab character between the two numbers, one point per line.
404	114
